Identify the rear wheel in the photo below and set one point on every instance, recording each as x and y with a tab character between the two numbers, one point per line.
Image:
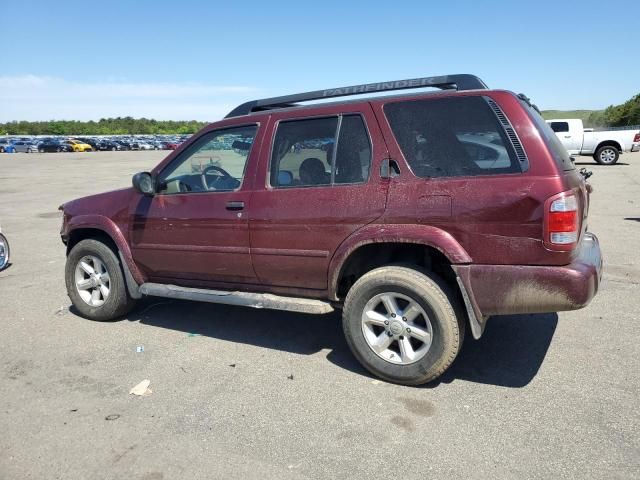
607	155
95	282
403	325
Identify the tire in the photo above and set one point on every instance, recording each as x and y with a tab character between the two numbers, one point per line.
5	258
440	316
607	155
99	258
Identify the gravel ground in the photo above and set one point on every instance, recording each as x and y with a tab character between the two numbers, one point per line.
242	393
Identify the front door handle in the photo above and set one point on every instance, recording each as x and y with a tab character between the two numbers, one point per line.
235	205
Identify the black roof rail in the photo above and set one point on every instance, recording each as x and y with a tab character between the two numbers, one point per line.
463	81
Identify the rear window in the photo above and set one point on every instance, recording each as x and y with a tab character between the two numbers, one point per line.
555	146
451	137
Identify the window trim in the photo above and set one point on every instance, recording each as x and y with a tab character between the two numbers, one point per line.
179	158
335	150
511	150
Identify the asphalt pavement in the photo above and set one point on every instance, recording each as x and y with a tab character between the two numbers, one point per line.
244	393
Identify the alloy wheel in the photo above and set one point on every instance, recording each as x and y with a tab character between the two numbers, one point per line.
92	279
396	328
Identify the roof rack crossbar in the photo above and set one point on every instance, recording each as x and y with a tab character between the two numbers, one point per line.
445	82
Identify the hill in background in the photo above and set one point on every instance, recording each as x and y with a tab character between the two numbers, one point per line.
622	115
584	115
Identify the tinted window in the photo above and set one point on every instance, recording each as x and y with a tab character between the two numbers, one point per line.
560	126
555	146
353	156
214	162
451	137
305	152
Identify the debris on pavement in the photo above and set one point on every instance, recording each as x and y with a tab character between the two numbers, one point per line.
290	377
140	349
233	365
141	389
61	311
113	416
195	335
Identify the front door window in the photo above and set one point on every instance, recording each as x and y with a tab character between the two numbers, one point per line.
216	162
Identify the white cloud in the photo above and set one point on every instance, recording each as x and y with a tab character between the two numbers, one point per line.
31	97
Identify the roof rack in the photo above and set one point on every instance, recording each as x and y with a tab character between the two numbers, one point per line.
445	82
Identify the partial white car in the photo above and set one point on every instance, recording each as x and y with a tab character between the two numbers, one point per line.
605	146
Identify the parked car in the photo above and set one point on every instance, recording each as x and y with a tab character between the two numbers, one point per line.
21	146
141	145
109	145
605	146
53	145
4	251
78	146
124	145
89	141
394	209
6	146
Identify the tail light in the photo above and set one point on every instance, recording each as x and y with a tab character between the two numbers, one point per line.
637	137
562	221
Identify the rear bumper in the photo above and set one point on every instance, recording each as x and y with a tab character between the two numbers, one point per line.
515	289
635	147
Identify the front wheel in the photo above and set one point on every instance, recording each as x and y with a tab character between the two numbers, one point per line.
403	325
95	282
607	155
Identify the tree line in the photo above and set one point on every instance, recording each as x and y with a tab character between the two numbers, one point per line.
104	126
627	113
622	115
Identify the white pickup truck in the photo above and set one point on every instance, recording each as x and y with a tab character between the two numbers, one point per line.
605	146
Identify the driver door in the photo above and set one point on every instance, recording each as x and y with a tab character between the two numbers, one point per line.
196	226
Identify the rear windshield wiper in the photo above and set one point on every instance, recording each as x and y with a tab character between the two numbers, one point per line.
527	100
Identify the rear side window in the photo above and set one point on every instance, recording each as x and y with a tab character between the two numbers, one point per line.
555	146
320	152
559	126
451	137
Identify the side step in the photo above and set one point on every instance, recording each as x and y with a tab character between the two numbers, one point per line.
245	299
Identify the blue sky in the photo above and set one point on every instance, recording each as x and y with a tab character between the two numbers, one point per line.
198	59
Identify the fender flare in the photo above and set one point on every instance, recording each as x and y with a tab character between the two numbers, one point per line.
613	143
109	227
394	233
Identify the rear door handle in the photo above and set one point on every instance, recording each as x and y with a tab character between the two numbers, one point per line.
235	205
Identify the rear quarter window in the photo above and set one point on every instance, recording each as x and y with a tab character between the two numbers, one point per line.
551	140
451	137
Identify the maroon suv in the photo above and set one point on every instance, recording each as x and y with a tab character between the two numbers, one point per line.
415	214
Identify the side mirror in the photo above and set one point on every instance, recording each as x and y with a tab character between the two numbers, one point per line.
143	183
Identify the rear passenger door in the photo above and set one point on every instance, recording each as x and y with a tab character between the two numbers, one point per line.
321	183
